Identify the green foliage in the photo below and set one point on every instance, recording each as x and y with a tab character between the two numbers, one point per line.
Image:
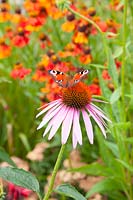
70	191
115	95
5	157
20	177
19	100
106	186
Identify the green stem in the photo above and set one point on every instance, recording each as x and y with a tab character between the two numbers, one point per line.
39	196
124	56
129	176
56	167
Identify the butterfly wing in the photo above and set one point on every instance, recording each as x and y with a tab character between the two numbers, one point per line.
59	77
79	76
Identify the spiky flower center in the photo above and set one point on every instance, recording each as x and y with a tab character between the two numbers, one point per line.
77	96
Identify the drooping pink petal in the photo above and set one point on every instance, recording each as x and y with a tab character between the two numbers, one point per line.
97	120
88	125
44	106
76	126
58	120
49	115
98	116
74	140
99	112
98	100
98	108
50	105
66	126
48	127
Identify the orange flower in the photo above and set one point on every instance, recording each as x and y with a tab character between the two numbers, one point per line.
116	5
71	49
17	17
55	13
5	50
80	38
32	7
45	60
40	75
112	26
34	23
4	15
85	59
70	24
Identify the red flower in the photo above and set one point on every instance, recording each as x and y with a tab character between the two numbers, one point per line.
20	40
106	75
15	192
95	89
19	72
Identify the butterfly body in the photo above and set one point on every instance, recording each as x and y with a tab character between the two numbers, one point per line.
65	81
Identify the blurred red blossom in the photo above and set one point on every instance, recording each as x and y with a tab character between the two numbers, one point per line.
15	192
95	89
19	72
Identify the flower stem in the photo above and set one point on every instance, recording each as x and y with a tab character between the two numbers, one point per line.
56	167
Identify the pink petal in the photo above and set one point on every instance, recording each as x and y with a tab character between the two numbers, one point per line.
97	108
66	126
58	119
98	112
74	140
98	100
48	127
76	127
97	120
51	113
50	105
44	106
88	125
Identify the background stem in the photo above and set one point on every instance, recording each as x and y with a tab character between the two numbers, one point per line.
124	58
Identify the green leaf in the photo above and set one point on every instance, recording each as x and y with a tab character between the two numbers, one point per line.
122	125
129	140
5	157
69	191
4	80
113	147
62	4
115	95
25	141
94	169
117	52
104	186
98	66
20	177
112	68
129	95
126	165
108	158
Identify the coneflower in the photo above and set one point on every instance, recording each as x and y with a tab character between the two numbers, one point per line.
66	112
